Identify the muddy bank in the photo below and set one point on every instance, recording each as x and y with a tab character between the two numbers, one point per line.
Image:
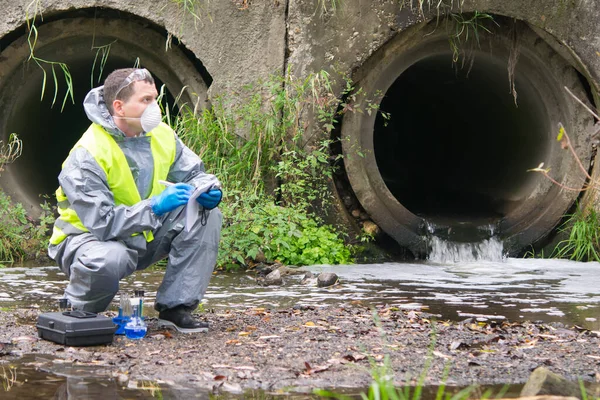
309	347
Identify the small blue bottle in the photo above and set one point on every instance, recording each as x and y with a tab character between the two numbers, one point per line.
136	327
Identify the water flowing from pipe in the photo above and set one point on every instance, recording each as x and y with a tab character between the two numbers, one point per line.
443	251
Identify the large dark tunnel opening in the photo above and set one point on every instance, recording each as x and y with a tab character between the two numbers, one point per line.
49	131
456	145
451	150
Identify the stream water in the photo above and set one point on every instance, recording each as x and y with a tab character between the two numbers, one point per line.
514	289
511	289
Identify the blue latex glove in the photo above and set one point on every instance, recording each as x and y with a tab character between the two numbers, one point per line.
210	199
171	198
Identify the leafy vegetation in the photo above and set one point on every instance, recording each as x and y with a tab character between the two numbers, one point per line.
21	237
275	169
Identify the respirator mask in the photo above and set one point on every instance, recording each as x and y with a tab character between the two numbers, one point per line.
151	117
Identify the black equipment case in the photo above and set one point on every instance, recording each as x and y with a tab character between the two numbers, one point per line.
76	328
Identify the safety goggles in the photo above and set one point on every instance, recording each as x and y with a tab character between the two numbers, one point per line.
140	74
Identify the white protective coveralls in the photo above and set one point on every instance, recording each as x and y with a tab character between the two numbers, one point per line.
97	260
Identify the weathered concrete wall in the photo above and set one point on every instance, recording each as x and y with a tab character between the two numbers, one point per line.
347	37
235	45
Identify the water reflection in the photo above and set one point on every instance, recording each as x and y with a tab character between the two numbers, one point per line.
35	377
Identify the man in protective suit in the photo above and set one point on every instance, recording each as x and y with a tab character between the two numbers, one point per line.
117	215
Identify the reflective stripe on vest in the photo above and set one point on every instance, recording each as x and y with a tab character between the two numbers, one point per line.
109	156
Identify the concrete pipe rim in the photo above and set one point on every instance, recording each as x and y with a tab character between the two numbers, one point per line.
542	204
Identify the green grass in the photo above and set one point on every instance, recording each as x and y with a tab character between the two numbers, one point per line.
32	13
460	27
583	243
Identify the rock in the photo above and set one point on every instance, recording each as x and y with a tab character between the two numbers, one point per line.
234	388
545	382
284	271
123	379
274	278
356	213
326	279
263	269
371	228
309	279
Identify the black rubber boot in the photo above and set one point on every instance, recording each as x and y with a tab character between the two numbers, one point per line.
182	320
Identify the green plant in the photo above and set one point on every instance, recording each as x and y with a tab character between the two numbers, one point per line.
10	151
326	6
13	224
583	243
441	6
286	234
32	38
193	8
460	27
20	236
102	52
466	28
275	168
8	377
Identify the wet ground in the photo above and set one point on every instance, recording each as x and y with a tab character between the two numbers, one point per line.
491	323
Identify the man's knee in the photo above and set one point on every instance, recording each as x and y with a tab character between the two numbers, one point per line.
109	259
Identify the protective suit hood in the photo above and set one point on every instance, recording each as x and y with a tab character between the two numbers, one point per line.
97	112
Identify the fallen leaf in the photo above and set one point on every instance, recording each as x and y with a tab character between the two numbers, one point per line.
309	323
307	370
232	341
441	355
166	333
457	344
244	333
242	367
20	339
354	357
310	370
548	336
220	378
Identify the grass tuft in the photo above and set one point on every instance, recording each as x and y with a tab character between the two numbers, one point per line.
583	243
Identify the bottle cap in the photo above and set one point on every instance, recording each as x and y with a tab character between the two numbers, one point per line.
63	304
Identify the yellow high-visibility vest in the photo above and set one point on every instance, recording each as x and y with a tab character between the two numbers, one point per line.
109	156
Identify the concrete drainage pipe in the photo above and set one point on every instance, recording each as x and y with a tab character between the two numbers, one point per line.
454	155
47	133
